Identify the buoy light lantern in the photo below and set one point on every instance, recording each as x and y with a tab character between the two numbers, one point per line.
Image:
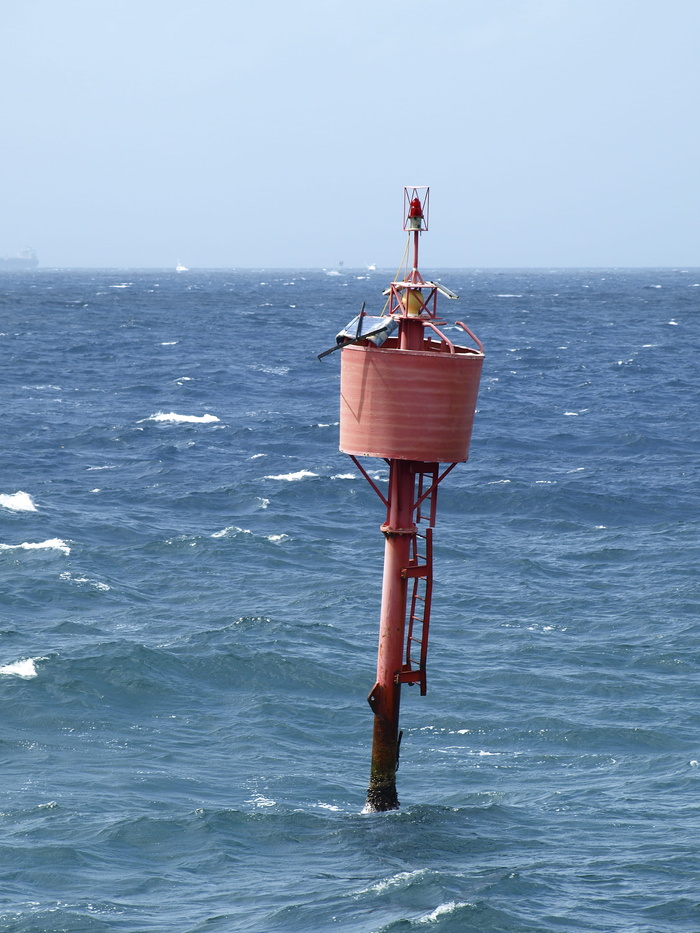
416	201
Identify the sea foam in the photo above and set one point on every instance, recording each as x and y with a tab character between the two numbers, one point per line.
450	908
52	543
291	477
230	531
24	668
174	417
18	502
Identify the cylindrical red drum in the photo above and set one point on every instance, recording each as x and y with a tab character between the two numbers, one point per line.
408	404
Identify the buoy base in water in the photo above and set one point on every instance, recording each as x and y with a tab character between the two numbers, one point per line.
381	796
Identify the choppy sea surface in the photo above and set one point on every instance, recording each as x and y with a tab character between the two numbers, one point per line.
190	577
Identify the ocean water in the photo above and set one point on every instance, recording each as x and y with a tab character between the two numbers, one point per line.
190	577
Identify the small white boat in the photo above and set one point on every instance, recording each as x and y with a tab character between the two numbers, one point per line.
180	268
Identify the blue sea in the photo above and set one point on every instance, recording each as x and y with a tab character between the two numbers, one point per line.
190	577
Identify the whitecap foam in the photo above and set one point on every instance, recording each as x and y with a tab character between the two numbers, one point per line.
441	911
94	583
291	477
231	531
400	879
259	801
18	502
24	668
276	539
52	543
175	418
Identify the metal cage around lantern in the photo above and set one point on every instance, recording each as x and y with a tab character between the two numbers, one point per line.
416	196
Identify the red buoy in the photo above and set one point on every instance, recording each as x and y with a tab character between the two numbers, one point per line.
408	395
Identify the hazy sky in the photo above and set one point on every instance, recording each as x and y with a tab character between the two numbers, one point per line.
281	132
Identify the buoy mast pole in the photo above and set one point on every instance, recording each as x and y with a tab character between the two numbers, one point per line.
385	698
416	220
399	533
414	268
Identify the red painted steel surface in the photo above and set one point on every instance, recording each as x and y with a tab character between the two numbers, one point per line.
399	531
411	402
408	404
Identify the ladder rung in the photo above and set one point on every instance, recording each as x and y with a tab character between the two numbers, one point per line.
409	572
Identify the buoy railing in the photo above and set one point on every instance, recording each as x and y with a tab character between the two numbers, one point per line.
445	340
472	335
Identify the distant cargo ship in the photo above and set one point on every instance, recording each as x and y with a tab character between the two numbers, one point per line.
25	259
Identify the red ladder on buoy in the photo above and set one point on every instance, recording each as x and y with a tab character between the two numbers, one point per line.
420	572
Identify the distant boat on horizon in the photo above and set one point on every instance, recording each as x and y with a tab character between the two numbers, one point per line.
180	268
25	259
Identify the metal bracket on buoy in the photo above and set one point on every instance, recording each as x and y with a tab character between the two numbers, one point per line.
373	698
